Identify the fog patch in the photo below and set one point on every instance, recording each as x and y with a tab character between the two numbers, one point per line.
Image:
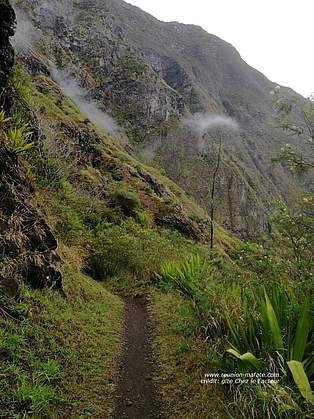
26	35
79	96
201	123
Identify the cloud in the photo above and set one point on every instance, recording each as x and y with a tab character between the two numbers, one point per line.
79	96
201	123
27	37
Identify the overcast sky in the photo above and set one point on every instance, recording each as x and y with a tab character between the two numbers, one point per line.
274	36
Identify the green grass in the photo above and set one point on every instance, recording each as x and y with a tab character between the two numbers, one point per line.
58	360
183	361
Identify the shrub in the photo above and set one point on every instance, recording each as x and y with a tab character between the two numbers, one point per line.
186	276
127	201
129	248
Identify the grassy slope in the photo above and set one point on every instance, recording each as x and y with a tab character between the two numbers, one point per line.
58	359
183	362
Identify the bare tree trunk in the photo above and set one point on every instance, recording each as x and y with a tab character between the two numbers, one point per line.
213	189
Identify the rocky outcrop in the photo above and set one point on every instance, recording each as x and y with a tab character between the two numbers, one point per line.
27	246
7	20
180	223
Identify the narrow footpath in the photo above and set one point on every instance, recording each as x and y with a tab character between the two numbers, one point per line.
136	395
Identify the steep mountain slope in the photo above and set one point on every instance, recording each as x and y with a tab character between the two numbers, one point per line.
27	246
149	75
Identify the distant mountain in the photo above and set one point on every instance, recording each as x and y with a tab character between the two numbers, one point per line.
150	76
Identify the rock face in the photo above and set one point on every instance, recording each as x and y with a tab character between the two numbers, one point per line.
7	20
150	75
27	246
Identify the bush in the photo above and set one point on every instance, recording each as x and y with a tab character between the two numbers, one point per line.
187	276
127	201
129	248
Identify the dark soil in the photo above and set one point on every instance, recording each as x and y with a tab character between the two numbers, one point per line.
137	396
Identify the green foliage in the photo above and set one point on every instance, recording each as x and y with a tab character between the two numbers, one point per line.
66	348
129	248
48	371
247	361
270	321
13	344
34	397
274	336
186	276
167	274
18	139
145	219
301	336
4	118
18	134
197	279
126	200
293	234
301	380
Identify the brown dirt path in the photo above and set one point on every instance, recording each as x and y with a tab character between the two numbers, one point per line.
136	395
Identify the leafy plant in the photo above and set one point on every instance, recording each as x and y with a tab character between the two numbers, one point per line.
48	371
247	360
270	323
18	139
35	397
126	200
167	274
4	118
186	276
275	338
301	380
293	234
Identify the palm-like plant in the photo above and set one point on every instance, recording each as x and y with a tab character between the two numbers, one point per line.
272	333
186	276
18	139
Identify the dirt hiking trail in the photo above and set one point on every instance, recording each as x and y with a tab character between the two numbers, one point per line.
136	395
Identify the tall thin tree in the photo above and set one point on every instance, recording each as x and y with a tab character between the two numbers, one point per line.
213	191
